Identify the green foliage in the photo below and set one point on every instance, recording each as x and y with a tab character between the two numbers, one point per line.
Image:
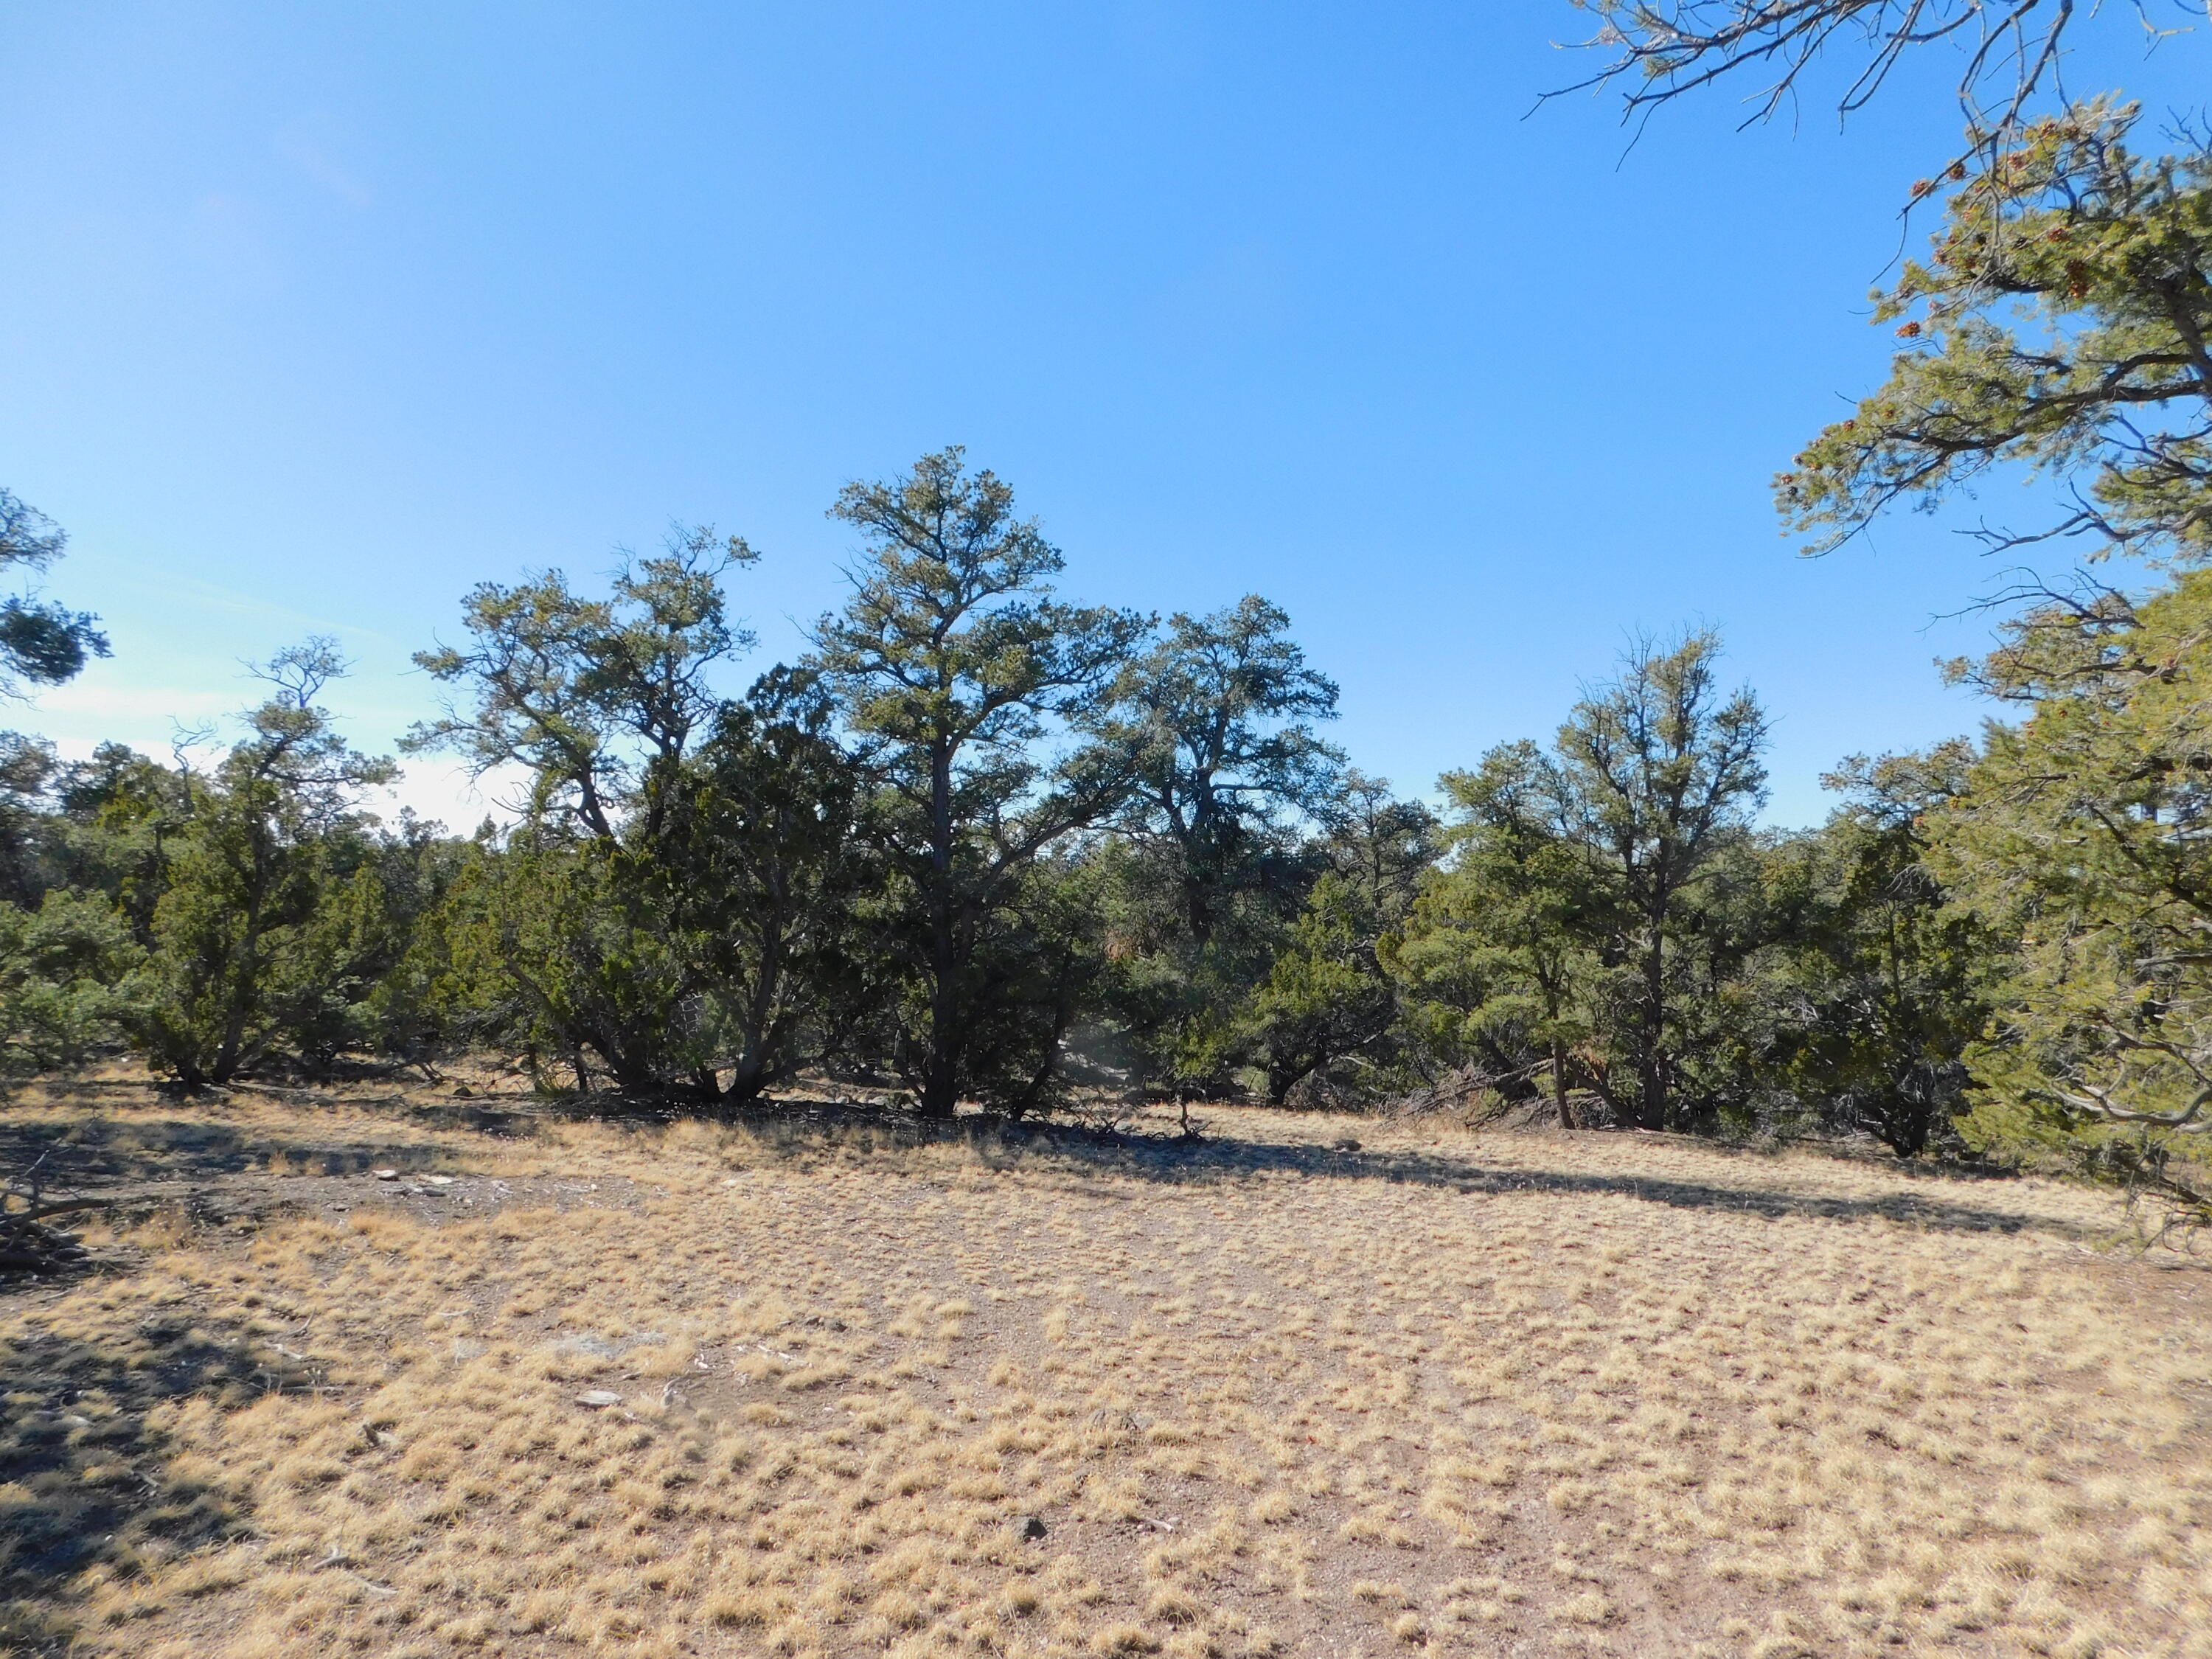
1003	847
1209	865
572	963
954	663
27	766
1325	997
1655	778
669	907
1219	718
1327	1008
2059	324
111	820
72	979
759	872
263	933
712	933
421	1006
1603	903
39	641
1879	982
1036	972
1502	957
586	694
2079	837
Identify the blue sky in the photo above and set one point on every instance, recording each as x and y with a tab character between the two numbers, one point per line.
315	316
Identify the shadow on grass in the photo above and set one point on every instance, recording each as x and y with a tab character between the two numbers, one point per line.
797	1128
85	1475
100	1151
94	1153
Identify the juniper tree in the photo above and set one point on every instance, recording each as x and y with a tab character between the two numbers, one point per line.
678	900
1327	996
239	960
760	867
1881	982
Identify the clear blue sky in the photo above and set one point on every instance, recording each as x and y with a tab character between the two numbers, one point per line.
314	316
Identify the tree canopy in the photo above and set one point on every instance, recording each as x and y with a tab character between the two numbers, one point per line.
2059	324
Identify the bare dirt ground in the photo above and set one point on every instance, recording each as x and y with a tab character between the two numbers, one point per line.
832	1386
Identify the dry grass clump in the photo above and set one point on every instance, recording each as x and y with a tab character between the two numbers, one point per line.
1446	1394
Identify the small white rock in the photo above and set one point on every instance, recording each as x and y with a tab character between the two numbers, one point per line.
439	1180
386	1174
598	1399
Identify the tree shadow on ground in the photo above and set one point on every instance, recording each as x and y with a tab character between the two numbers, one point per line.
86	1481
99	1151
95	1151
1182	1160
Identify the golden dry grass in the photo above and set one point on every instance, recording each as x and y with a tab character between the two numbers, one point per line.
1445	1394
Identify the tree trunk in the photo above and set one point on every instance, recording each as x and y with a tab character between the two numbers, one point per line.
243	992
227	1051
1559	1084
1198	909
1031	1096
1284	1078
750	1071
940	1085
748	1077
1651	1061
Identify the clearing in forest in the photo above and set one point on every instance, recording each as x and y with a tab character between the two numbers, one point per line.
837	1387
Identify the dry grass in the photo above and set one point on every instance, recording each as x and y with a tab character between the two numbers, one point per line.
1445	1394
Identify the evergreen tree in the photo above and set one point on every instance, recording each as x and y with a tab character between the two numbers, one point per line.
242	960
72	979
955	664
761	869
1328	1003
1501	958
1218	718
1882	980
1656	778
39	641
1220	714
2079	837
2060	325
597	700
590	695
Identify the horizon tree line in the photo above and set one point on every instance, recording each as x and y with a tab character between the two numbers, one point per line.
982	844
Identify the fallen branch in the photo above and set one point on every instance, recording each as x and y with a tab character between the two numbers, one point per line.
27	1245
44	1211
